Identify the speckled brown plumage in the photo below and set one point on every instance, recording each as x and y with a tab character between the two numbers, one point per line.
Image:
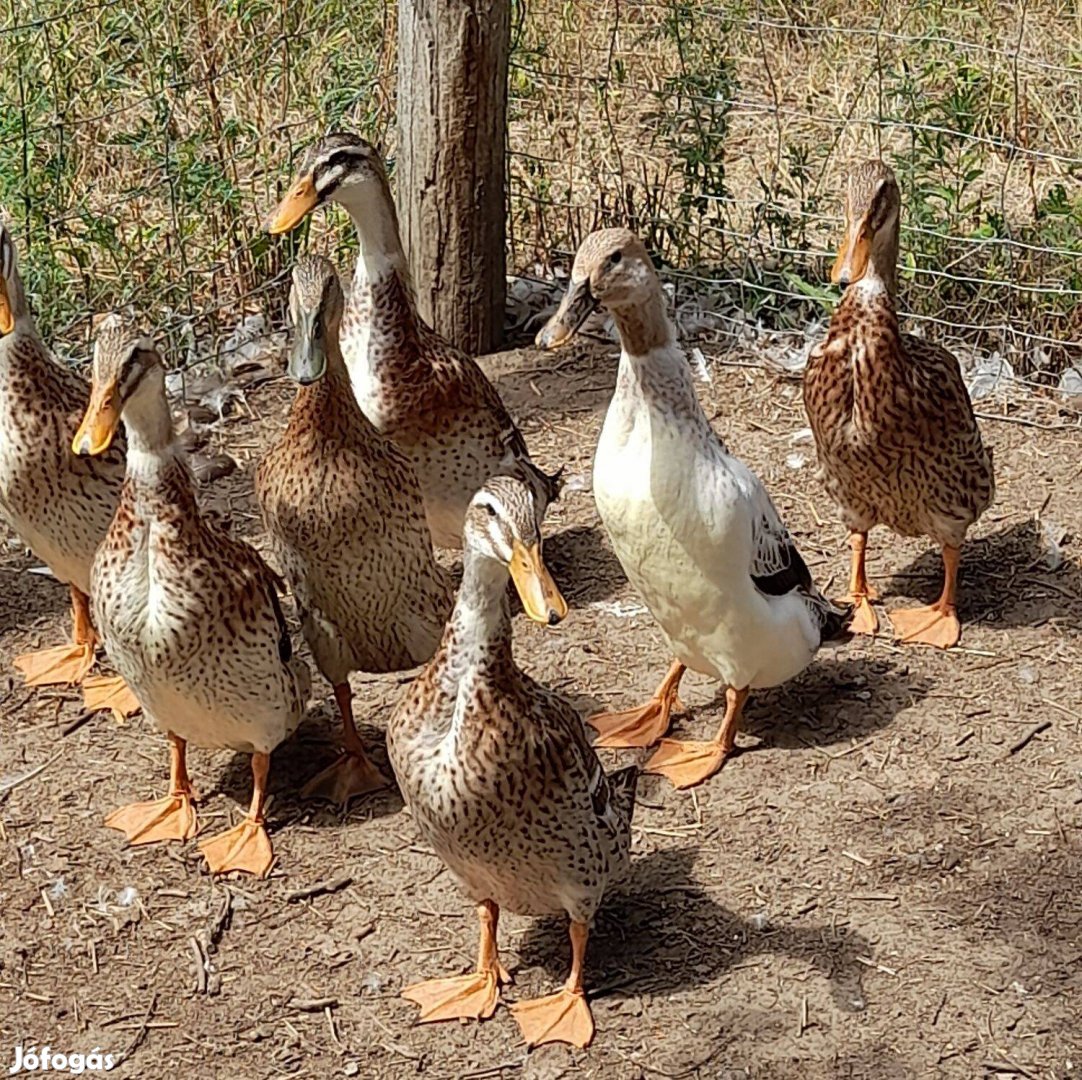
496	769
345	516
430	398
897	440
189	616
60	505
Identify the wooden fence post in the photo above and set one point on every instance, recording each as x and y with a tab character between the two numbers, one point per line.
452	130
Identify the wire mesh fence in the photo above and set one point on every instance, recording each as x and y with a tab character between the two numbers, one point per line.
141	146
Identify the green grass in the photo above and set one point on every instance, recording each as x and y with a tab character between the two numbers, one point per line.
141	146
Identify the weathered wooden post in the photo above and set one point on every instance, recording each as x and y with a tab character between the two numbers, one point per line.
452	130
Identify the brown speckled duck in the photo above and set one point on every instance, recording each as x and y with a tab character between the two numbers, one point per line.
346	521
894	427
500	777
189	616
431	399
59	505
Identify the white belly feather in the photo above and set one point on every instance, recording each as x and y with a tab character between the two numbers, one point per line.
680	526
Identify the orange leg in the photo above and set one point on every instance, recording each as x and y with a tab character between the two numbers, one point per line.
860	592
689	763
245	847
648	723
466	997
66	664
171	818
565	1015
937	624
353	773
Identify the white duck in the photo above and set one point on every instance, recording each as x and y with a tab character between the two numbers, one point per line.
693	527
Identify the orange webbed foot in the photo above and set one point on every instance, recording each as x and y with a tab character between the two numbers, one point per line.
634	727
932	625
686	764
246	848
109	692
350	776
561	1017
64	665
864	620
461	997
171	818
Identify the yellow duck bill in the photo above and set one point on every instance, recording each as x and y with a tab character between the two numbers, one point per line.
541	599
7	316
300	201
96	432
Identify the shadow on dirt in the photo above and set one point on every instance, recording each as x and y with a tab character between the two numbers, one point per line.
1004	580
659	933
584	568
833	701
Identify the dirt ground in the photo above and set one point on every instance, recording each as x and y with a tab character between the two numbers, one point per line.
885	884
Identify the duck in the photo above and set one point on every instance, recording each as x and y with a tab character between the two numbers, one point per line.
895	434
694	529
189	615
59	505
500	777
345	520
431	399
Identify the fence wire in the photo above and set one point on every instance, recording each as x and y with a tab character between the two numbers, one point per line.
142	145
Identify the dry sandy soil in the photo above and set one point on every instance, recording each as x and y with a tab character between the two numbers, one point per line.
885	883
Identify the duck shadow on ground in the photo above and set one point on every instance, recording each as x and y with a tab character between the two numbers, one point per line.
584	568
660	932
577	379
313	746
833	701
32	599
1004	580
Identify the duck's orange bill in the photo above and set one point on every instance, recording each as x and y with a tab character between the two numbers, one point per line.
851	263
7	319
540	596
300	200
96	432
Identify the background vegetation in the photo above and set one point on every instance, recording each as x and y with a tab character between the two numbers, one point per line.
141	146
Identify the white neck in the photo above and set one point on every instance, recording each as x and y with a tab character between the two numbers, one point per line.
871	285
149	427
662	377
481	620
369	204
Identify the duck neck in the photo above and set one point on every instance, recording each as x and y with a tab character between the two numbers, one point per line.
653	367
329	395
381	258
645	326
478	633
149	426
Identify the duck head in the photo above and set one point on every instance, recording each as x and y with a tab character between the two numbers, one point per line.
337	168
127	369
612	270
501	525
872	208
315	307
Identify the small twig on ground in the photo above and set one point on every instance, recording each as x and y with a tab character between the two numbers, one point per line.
320	888
10	785
1033	732
200	965
78	722
313	1004
140	1035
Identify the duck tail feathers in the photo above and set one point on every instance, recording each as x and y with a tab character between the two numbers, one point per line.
834	620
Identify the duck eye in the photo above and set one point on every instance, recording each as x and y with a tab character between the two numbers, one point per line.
491	509
616	257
